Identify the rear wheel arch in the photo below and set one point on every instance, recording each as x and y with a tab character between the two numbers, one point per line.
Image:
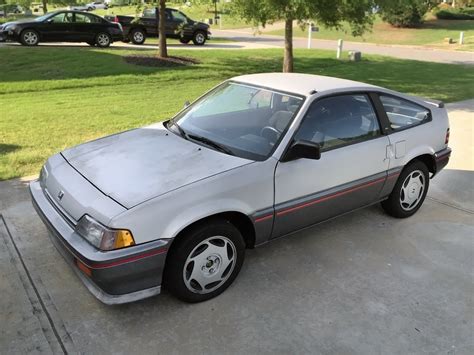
428	160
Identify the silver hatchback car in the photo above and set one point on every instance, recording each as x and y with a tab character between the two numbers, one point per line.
256	158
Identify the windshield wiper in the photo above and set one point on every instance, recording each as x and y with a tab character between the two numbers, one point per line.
211	143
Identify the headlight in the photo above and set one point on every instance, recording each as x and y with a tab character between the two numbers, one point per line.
102	237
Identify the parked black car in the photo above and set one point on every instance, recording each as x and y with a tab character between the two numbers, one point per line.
63	26
177	26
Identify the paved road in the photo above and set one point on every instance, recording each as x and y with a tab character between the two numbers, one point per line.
403	52
364	283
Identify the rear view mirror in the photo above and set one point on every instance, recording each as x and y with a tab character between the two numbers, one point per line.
303	149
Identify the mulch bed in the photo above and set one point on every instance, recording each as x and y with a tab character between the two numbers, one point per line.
153	61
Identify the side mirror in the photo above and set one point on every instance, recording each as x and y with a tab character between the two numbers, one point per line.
303	149
186	104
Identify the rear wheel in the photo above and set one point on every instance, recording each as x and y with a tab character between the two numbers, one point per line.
29	38
103	40
137	36
409	191
199	38
205	261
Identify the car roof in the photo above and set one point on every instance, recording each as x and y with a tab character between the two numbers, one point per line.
301	84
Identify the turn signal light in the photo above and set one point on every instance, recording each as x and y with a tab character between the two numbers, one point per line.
446	141
123	238
83	268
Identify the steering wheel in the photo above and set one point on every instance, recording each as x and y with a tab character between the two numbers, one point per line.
270	133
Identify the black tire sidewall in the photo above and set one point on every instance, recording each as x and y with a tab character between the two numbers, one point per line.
133	40
392	205
173	275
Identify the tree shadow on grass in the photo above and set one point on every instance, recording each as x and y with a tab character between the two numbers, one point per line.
8	148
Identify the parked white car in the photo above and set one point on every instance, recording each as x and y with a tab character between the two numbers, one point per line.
256	158
86	7
98	5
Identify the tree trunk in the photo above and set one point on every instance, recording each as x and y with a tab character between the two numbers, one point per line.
288	57
163	51
45	6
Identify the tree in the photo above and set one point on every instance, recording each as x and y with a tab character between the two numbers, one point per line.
163	49
405	13
329	13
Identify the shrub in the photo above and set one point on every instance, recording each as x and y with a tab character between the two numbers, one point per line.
405	13
455	14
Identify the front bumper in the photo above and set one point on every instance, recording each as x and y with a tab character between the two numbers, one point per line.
114	277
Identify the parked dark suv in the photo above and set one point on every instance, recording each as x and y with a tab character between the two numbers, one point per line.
177	26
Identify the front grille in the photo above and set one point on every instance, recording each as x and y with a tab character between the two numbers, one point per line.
71	221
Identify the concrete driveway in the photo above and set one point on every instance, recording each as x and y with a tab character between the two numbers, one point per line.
363	283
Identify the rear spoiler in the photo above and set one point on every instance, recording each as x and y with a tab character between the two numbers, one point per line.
436	103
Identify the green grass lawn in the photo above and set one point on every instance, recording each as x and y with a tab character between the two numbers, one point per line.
52	98
432	33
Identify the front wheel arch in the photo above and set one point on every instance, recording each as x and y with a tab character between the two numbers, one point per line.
239	220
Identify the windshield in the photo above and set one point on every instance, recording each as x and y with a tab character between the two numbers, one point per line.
242	120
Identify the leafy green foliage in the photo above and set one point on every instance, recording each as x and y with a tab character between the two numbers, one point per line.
330	13
405	13
455	14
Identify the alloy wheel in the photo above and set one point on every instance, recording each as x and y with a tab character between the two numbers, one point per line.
103	40
209	264
30	38
412	190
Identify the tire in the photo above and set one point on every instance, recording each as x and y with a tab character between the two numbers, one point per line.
185	40
199	38
409	192
29	38
206	260
137	36
103	40
90	9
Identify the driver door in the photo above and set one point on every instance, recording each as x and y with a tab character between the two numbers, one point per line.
350	173
58	28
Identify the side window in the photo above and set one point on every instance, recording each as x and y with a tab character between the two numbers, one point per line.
63	17
178	16
82	18
402	113
338	121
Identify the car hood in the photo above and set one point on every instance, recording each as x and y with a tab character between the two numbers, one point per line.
23	21
137	165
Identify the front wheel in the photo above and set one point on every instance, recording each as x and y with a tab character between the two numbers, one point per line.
137	36
409	191
29	38
205	261
103	40
199	38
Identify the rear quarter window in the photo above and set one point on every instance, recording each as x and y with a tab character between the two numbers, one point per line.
404	114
